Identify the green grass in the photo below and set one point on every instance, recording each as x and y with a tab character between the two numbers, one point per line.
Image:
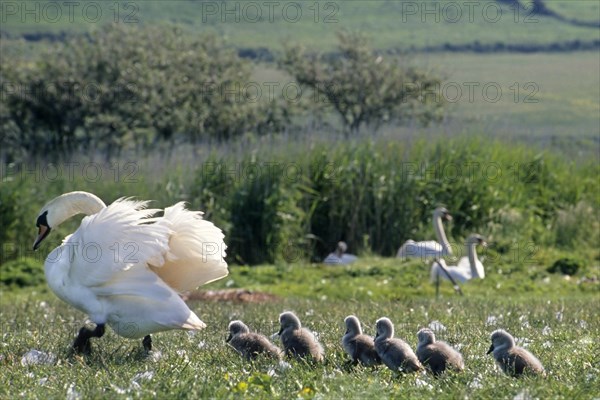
559	103
559	324
540	97
391	23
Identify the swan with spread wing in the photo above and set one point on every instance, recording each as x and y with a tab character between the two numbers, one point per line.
125	267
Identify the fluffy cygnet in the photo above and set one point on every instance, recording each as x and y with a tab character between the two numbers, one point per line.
359	346
394	352
298	341
250	344
437	356
513	360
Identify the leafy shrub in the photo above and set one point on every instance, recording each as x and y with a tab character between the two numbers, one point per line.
566	266
22	272
123	87
385	193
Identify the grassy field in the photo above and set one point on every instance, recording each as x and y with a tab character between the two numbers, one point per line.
545	211
529	97
392	24
559	324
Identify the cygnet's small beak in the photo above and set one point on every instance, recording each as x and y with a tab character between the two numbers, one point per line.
491	349
229	338
275	335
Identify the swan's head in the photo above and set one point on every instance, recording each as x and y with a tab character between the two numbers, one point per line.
385	328
426	336
477	240
342	247
501	340
289	320
237	328
442	213
61	208
352	325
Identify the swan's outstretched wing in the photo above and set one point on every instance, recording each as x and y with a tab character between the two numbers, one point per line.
196	250
114	240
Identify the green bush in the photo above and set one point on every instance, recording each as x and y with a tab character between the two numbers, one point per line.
22	272
127	87
287	202
377	195
566	266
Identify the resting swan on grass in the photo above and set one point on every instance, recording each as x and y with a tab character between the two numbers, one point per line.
340	257
429	248
123	267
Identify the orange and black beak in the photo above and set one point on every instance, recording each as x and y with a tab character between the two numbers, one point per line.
43	230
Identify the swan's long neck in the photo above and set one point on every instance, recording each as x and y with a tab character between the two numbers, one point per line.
472	253
441	235
70	204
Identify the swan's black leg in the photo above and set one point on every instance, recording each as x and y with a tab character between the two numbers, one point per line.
82	342
147	342
456	287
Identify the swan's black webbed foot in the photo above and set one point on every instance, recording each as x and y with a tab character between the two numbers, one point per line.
82	342
147	342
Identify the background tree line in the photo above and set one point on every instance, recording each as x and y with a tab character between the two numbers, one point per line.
134	88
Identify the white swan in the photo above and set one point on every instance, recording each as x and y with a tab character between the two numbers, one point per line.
339	256
125	268
467	268
429	248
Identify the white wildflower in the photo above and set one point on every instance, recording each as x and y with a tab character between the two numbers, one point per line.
437	326
154	355
33	357
547	330
423	384
143	376
73	394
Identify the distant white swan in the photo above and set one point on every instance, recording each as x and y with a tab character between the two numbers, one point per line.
430	248
339	256
123	267
467	268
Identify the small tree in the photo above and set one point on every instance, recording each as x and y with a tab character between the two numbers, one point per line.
363	87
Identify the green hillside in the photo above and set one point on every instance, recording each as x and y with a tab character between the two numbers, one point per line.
392	24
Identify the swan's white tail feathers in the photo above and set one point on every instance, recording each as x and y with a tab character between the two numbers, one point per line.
193	323
196	250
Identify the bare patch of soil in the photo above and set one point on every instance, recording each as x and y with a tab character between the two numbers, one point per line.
232	295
